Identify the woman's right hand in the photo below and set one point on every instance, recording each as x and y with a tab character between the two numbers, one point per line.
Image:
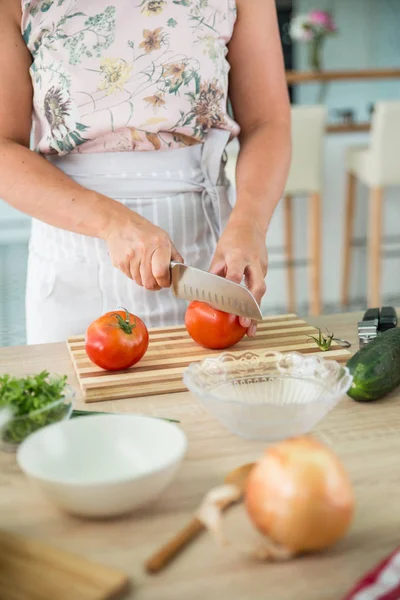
142	251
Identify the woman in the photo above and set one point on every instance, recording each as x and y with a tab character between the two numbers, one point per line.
130	122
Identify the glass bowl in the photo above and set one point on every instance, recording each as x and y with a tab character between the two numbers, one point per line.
17	429
268	396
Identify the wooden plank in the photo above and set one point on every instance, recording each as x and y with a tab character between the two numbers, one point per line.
171	351
175	334
362	127
170	372
31	569
86	368
137	391
185	343
293	77
152	388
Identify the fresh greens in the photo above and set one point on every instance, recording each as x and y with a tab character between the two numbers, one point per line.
35	401
31	393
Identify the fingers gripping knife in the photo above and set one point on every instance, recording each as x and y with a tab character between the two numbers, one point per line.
190	283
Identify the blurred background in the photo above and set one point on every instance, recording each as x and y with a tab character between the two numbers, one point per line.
344	57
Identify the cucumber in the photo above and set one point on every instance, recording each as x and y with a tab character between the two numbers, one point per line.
376	368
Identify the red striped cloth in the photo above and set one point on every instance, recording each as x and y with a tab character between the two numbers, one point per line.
382	583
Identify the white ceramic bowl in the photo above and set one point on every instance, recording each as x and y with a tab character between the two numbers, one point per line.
268	396
103	466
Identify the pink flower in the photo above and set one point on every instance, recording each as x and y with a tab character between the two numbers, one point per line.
322	19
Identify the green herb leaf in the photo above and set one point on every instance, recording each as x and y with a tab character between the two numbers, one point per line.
323	343
31	393
28	395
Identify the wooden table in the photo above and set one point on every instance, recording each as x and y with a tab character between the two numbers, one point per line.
366	437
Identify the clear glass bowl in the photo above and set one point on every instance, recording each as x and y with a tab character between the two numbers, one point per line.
13	433
268	396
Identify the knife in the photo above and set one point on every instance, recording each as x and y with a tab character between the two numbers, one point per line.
190	283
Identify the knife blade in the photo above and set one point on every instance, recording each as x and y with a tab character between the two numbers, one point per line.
190	283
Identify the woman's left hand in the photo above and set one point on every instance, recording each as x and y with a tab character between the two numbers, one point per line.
242	252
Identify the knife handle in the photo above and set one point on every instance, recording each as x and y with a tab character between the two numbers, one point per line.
164	556
167	553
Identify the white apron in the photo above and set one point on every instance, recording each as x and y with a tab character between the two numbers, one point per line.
71	280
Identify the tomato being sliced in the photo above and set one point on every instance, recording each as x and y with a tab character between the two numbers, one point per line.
116	341
212	328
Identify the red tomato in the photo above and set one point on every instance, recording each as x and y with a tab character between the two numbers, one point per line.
212	328
116	341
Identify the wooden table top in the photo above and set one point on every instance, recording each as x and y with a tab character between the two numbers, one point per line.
365	436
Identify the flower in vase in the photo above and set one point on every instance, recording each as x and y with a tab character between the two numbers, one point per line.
322	20
313	28
308	27
301	29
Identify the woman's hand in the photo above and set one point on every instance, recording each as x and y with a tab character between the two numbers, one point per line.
260	102
142	251
242	252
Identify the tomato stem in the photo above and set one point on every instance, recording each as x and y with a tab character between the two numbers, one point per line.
125	324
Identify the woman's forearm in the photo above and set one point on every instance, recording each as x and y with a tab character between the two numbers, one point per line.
34	186
261	172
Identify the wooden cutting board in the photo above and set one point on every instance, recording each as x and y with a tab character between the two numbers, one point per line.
171	350
32	570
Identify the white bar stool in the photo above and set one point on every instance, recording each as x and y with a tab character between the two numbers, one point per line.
305	178
377	166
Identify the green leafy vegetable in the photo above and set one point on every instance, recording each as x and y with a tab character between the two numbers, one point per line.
31	393
35	401
323	343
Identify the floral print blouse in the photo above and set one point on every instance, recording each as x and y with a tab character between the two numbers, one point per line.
124	75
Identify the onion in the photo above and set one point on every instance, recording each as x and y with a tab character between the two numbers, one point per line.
298	496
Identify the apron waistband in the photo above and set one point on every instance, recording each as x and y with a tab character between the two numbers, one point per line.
128	175
150	174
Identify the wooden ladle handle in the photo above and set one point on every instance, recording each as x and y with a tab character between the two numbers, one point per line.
163	557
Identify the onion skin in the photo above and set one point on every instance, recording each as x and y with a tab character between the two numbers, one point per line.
299	496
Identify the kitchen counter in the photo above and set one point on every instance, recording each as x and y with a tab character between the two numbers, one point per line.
365	436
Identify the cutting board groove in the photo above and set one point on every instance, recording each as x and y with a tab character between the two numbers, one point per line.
171	350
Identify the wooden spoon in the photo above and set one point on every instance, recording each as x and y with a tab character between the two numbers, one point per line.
167	553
